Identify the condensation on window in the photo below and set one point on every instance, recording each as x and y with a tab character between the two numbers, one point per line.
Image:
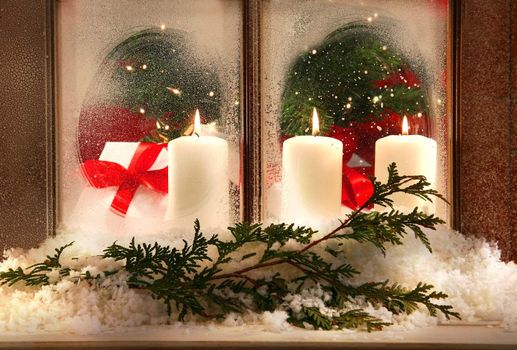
364	65
136	70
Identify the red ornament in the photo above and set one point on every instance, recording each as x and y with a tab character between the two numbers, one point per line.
100	124
103	174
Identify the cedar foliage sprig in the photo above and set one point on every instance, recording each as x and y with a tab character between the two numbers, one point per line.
190	281
38	274
350	319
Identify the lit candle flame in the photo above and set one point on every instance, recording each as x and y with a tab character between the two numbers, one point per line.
405	126
315	123
197	124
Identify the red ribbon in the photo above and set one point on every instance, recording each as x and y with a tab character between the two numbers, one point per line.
101	174
356	188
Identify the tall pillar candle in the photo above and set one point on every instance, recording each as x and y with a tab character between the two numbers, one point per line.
198	180
311	178
414	155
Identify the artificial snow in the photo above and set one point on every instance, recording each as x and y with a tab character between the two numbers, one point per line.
481	287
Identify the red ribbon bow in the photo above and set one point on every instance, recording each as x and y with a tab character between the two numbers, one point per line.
101	174
356	188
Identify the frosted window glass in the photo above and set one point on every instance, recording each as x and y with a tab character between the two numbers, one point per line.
132	70
364	65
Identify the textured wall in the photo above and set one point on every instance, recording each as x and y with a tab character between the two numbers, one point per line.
487	120
23	123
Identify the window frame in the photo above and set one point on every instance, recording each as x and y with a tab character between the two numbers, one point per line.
29	181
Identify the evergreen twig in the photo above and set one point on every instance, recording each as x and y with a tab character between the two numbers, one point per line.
190	281
38	273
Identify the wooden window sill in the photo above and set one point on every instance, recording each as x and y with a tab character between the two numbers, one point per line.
252	337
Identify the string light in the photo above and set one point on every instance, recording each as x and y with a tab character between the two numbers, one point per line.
211	94
174	90
129	68
142	111
162	27
144	66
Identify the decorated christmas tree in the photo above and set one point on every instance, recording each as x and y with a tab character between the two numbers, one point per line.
147	88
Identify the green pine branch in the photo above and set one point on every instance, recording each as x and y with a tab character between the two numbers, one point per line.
190	281
37	274
390	227
351	319
416	185
399	299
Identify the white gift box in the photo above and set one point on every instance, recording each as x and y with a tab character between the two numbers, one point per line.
145	215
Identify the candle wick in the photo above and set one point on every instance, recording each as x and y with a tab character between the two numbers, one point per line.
195	133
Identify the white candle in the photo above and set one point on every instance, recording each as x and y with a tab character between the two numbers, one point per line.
414	155
198	180
311	178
